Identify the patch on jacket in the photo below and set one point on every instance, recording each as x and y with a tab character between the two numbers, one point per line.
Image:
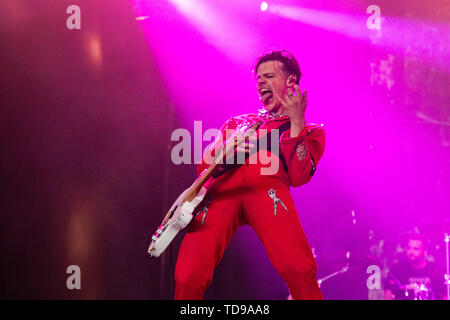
301	151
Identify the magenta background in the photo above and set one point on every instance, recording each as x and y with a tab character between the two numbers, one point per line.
86	138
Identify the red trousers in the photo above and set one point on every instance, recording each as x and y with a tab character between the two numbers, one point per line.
281	234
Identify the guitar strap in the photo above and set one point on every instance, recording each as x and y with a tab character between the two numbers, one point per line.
282	128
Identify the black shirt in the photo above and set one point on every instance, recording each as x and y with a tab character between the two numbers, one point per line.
429	282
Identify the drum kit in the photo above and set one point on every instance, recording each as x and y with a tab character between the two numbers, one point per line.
414	291
439	235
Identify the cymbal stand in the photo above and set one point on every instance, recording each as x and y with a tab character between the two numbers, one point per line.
343	270
334	274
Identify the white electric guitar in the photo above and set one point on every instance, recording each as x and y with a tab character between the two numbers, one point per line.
182	211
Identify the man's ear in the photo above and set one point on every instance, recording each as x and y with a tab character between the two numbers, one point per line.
291	80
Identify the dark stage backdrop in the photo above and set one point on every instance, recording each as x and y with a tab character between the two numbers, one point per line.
85	123
87	115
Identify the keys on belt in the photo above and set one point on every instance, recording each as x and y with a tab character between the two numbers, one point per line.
273	194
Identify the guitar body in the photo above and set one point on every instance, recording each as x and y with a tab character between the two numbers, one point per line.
184	208
179	216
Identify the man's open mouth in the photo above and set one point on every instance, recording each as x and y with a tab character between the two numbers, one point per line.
265	95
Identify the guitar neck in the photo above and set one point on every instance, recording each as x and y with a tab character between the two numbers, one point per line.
205	175
201	180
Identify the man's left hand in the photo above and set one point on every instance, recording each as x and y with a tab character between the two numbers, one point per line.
294	105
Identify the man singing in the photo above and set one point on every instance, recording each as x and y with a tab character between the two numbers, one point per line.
244	194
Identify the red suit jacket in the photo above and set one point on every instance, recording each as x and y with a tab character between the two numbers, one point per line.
297	157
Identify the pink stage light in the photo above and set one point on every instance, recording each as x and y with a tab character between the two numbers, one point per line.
400	35
264	6
224	32
140	18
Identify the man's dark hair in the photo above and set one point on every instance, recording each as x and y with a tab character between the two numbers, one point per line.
416	236
290	64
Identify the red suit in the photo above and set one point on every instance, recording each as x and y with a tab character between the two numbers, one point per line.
243	195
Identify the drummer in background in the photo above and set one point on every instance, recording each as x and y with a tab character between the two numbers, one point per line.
415	277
